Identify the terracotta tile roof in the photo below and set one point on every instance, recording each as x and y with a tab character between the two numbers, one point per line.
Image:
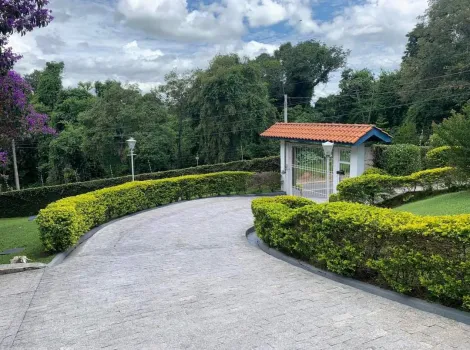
322	132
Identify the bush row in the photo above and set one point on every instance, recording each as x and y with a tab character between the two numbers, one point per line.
399	159
30	201
374	188
62	223
423	256
438	157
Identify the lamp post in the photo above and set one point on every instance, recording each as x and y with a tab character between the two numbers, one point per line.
197	159
328	150
131	143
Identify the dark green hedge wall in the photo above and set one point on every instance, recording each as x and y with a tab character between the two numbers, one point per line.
29	201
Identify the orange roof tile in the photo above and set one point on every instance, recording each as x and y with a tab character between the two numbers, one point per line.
322	132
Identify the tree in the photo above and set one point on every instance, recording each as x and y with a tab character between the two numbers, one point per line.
176	94
19	17
70	103
229	108
118	113
49	85
435	69
18	118
455	132
301	67
407	133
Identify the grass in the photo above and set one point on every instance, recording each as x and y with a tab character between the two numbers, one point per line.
445	204
21	233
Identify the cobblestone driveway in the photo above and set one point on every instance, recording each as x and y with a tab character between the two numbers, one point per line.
184	276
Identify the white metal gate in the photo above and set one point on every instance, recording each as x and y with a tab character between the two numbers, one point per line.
309	172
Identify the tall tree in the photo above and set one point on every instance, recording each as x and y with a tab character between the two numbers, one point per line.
176	95
436	67
230	106
297	69
49	86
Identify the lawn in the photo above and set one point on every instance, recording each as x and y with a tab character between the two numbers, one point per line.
21	233
445	204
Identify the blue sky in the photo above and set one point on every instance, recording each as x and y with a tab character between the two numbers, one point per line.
139	41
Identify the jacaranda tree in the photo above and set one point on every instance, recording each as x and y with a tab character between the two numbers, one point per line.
17	116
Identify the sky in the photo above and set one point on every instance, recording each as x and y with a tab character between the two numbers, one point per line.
139	41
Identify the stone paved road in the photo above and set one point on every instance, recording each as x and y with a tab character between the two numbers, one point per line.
184	276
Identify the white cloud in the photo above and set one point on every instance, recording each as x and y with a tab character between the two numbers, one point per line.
172	19
265	12
133	50
148	38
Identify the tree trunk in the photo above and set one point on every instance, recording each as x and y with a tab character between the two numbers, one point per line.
15	165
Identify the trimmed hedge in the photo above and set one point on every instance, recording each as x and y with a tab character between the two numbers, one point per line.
29	201
398	160
422	256
374	188
438	157
62	223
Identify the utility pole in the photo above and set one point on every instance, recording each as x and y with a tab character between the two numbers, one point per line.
285	108
15	165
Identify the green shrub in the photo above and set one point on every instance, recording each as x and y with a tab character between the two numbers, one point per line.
374	171
438	157
30	201
371	189
62	223
402	159
410	254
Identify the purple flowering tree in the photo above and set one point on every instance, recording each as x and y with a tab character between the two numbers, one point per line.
17	117
19	16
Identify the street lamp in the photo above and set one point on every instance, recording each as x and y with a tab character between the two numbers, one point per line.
131	143
328	150
197	159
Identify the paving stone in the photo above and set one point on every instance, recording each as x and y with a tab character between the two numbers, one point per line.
185	277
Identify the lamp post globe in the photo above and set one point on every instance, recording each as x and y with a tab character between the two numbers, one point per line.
131	143
328	148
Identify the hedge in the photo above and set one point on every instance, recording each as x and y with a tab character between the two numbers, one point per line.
62	223
422	256
29	201
438	157
374	188
399	160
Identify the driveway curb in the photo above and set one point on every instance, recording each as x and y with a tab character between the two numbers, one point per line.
437	309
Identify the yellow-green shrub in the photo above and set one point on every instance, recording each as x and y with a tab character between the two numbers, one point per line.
408	253
62	223
373	188
438	157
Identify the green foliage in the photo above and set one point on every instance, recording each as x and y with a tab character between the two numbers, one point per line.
410	254
375	188
401	159
374	171
303	66
30	201
438	157
455	133
364	98
434	70
230	106
49	85
62	223
406	134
